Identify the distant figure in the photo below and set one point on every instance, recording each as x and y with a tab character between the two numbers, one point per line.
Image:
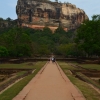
53	59
50	58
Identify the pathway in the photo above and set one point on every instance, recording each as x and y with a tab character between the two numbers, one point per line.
50	84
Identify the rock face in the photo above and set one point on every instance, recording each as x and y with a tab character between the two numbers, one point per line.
49	13
7	24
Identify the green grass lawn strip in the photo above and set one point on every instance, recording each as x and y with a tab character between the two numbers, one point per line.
90	81
18	66
88	92
10	93
21	73
88	66
18	74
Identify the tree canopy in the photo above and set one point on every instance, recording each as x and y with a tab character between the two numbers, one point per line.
24	42
88	36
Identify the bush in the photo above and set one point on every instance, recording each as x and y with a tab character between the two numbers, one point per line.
3	51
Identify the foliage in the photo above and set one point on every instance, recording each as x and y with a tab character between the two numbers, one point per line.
23	42
3	52
17	42
7	24
67	49
46	42
88	36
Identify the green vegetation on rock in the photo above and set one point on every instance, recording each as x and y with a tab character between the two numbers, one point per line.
26	42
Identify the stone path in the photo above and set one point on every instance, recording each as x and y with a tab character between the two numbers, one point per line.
50	84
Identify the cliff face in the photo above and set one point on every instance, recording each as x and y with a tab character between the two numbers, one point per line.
7	24
49	14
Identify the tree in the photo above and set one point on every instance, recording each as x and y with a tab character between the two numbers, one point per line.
56	0
8	19
88	36
1	19
17	42
23	42
67	49
3	51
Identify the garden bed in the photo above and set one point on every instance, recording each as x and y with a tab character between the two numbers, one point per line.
9	76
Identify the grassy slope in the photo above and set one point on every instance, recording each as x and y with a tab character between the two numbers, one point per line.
89	66
16	88
22	65
88	91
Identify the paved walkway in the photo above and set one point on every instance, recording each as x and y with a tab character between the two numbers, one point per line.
50	84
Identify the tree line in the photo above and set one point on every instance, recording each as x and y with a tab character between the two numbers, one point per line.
88	37
26	42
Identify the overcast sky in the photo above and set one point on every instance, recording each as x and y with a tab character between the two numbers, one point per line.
91	7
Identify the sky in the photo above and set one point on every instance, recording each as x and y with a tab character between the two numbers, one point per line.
91	7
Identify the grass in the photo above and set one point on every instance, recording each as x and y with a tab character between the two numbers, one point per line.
88	80
29	65
21	73
89	66
66	66
88	92
10	93
19	66
9	79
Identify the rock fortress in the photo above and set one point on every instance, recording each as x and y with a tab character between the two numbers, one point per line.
37	14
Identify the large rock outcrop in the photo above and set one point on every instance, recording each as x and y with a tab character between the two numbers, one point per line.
54	14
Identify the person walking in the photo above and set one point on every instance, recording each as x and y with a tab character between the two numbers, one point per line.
53	59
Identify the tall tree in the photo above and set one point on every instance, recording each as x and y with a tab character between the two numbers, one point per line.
17	42
88	36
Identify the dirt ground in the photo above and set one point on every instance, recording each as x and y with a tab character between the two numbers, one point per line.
50	84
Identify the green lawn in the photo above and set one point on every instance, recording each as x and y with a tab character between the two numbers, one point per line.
21	73
88	92
29	65
10	93
66	66
89	66
9	79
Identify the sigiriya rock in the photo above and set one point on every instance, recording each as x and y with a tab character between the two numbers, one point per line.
40	13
